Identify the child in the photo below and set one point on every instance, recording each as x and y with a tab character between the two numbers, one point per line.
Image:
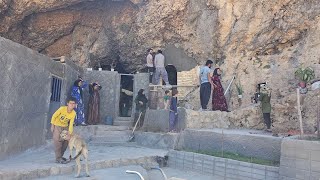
166	99
61	120
173	116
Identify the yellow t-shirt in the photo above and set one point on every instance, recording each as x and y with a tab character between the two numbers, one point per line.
63	119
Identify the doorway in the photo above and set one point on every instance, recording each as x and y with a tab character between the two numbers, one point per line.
126	95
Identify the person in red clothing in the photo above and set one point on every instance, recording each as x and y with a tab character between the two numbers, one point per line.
219	101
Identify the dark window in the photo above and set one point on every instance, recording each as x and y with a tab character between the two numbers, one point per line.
56	89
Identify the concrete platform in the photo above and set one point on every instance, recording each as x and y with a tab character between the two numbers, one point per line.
120	174
39	162
250	143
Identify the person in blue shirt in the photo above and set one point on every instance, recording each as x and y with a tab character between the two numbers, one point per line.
77	93
205	84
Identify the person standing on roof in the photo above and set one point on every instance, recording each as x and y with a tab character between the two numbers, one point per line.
159	62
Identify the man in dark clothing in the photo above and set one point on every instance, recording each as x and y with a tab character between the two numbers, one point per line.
141	107
205	84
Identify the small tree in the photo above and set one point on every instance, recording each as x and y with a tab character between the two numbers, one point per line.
305	75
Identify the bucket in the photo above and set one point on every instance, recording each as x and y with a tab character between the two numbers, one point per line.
108	120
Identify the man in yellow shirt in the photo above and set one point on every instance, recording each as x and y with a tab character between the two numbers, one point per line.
61	120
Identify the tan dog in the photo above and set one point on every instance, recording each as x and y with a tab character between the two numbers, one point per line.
79	144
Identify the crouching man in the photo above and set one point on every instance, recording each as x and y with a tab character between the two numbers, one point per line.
62	119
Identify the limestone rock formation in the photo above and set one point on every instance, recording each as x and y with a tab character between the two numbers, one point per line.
254	40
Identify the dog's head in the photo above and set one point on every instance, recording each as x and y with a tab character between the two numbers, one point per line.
64	134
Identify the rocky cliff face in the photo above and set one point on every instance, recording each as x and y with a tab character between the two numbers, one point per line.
255	40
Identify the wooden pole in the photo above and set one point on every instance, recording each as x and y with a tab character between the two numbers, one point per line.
299	112
318	117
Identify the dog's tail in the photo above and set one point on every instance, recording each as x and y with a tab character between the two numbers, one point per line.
79	153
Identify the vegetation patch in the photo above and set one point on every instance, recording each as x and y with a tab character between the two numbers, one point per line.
238	157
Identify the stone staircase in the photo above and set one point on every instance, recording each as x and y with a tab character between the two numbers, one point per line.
106	135
123	121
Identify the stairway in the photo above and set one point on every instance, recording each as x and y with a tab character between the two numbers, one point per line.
123	121
111	136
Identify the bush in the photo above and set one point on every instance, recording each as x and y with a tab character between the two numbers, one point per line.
305	74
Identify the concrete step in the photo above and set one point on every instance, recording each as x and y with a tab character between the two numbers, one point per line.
123	123
110	133
113	136
113	144
116	173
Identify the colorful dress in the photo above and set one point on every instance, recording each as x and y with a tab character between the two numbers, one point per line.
173	116
94	106
77	94
218	99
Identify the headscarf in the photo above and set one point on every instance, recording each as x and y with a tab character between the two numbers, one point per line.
215	72
76	84
140	92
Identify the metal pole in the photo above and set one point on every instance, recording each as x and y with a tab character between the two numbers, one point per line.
173	86
318	117
162	172
299	112
135	172
229	85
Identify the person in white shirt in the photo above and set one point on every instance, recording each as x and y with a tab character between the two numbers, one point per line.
159	62
150	68
206	84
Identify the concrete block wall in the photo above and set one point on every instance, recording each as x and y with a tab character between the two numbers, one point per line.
257	146
156	120
220	167
25	90
300	160
187	78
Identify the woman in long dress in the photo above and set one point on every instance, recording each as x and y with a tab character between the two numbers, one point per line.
78	95
173	116
94	104
219	102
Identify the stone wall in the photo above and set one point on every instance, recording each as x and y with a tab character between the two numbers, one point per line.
233	141
249	117
156	121
217	140
25	93
187	78
300	160
221	168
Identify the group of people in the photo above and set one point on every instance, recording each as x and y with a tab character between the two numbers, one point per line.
93	113
73	114
170	102
156	67
211	85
